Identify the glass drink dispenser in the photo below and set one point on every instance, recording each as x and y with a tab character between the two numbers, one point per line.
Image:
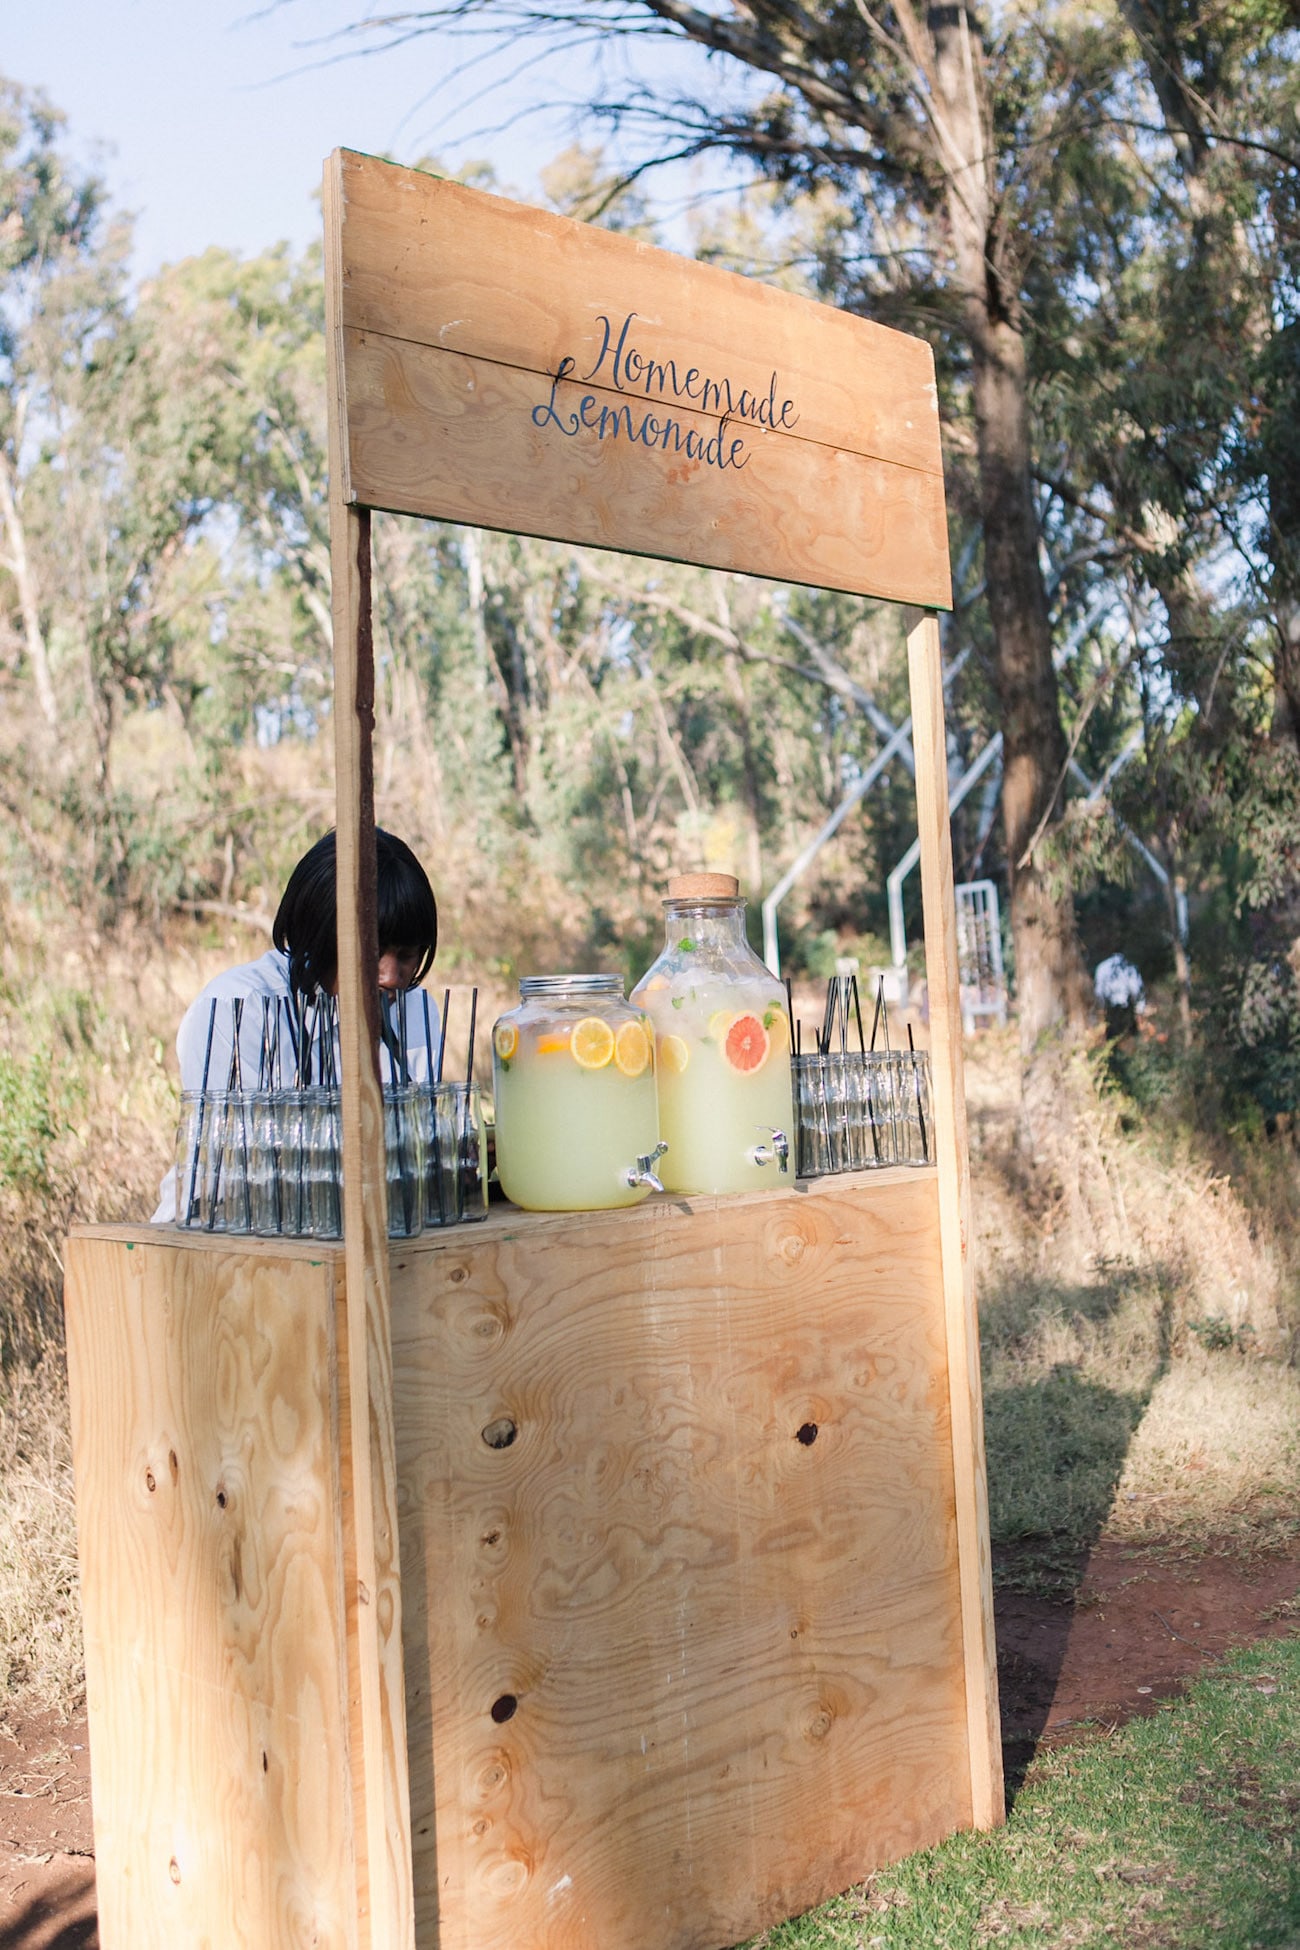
722	1035
577	1125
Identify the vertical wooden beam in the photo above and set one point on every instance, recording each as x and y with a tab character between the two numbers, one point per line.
375	1642
942	979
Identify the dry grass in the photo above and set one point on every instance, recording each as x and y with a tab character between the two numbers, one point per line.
1139	1319
40	1619
1217	1454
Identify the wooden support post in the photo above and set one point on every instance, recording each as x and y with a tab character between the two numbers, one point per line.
943	986
377	1682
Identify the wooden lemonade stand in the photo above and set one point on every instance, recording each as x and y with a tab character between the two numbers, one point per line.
591	1581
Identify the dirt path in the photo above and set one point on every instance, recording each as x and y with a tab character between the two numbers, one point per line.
1142	1623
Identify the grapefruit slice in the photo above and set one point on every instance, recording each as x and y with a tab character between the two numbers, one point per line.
747	1044
591	1043
632	1049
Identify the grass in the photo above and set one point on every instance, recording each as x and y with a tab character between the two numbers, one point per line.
1178	1832
40	1618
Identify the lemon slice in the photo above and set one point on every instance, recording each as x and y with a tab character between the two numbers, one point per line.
719	1023
631	1049
777	1024
591	1043
505	1040
674	1053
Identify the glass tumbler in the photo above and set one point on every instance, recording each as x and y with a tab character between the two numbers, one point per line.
322	1141
812	1131
404	1156
190	1152
913	1115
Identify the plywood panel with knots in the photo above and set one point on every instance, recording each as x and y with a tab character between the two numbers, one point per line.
683	1642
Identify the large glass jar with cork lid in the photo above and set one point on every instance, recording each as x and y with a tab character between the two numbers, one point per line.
573	1069
722	1038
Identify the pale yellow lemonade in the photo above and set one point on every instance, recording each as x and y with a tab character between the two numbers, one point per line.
573	1116
723	1049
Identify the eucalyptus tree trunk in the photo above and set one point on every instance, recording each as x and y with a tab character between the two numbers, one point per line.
1049	985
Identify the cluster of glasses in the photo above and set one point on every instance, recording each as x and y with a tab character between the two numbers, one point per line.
268	1160
862	1109
856	1109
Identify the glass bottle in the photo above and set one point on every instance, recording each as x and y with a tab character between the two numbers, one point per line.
577	1126
722	1035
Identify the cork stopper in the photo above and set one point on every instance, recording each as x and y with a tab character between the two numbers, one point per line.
703	887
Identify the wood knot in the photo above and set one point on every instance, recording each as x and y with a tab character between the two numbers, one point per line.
806	1433
174	1869
149	1481
457	1274
501	1433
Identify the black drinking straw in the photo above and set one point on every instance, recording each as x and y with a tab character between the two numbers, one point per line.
237	1011
857	1010
442	1033
433	1160
203	1105
473	1016
880	1003
387	1034
916	1079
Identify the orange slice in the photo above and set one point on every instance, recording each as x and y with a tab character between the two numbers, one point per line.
592	1043
747	1044
505	1040
632	1049
674	1053
553	1045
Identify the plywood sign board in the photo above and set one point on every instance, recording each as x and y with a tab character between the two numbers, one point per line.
506	367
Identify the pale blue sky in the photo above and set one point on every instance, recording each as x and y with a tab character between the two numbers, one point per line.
213	116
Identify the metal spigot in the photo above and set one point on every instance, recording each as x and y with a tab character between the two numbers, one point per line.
777	1151
644	1171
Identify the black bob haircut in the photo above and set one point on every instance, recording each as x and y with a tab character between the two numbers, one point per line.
306	922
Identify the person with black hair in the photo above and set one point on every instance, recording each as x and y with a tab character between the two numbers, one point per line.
302	966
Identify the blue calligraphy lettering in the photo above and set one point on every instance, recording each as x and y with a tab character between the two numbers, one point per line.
624	365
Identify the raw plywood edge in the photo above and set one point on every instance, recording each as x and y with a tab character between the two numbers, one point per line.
969	1470
376	1645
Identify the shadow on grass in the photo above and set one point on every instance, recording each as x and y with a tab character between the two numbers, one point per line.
1056	1445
